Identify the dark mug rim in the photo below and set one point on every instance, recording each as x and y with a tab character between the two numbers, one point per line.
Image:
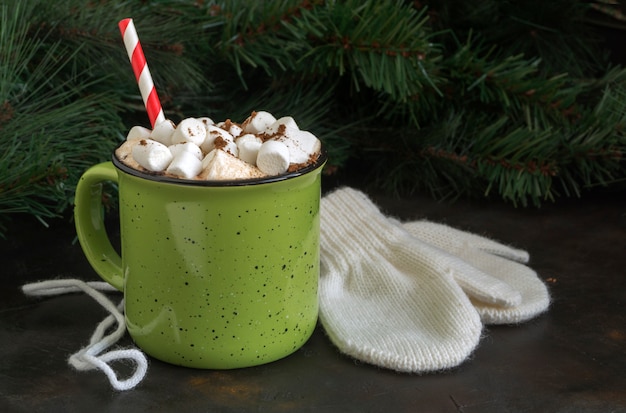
160	177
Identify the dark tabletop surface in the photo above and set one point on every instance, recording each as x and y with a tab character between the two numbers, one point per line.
570	359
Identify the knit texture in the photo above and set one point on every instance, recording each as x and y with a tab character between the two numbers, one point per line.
500	264
387	298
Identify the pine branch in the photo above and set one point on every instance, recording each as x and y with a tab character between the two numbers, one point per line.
524	107
50	130
92	27
522	162
253	34
381	47
553	31
517	119
385	49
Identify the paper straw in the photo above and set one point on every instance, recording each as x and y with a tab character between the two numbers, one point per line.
142	73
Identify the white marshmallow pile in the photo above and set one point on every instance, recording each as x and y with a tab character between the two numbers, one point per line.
198	148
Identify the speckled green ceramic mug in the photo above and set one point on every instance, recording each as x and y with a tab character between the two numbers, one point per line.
215	275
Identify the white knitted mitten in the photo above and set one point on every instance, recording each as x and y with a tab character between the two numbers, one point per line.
501	262
385	297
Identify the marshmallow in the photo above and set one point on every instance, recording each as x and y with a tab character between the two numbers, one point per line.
262	145
212	133
235	130
124	154
258	121
188	147
287	121
152	155
230	127
138	133
163	131
273	157
227	146
301	144
220	165
248	146
185	165
206	121
190	130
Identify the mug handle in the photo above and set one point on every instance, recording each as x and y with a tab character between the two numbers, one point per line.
90	227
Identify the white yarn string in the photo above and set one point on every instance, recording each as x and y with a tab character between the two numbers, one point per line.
58	287
89	357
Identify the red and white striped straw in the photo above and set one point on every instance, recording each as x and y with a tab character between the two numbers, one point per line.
142	73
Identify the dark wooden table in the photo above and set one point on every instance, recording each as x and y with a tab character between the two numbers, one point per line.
571	359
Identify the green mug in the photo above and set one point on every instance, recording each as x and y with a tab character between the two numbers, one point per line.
215	274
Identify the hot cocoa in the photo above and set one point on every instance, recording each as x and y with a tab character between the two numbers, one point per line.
200	149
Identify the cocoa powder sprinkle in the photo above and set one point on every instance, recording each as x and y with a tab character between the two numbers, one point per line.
220	142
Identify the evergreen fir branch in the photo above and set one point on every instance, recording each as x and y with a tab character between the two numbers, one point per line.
43	159
34	191
524	108
252	34
51	131
383	47
511	84
550	31
92	27
598	146
523	162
